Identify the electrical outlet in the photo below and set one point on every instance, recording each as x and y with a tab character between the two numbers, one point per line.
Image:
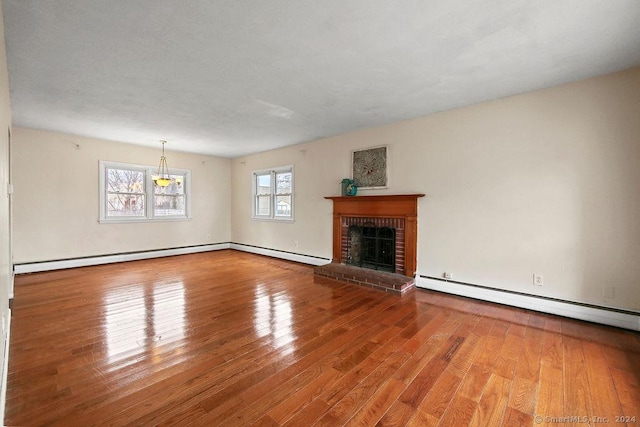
208	237
295	244
447	275
538	279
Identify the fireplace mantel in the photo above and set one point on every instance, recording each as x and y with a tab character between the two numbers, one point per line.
380	206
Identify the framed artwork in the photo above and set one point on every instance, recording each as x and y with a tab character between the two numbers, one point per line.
370	168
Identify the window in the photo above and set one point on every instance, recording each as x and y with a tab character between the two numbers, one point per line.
127	193
273	194
169	201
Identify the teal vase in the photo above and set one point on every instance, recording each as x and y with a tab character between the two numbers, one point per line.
349	188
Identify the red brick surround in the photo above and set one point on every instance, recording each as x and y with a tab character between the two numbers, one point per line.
395	223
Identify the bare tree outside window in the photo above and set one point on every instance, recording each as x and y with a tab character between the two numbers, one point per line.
283	193
125	192
129	194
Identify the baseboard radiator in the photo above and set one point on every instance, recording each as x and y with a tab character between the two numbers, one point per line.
592	313
33	267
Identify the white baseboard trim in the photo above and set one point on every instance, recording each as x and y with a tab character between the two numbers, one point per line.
109	259
620	319
5	369
289	256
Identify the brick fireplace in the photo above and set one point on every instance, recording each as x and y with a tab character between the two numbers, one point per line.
376	243
396	212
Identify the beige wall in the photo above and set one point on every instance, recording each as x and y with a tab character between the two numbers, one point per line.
545	182
6	273
56	182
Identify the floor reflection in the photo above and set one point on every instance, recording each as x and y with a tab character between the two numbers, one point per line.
141	318
273	317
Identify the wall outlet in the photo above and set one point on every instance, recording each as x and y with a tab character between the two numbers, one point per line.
295	244
538	279
447	275
208	237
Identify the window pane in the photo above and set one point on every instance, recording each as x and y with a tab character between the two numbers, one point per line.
262	205
283	183
176	186
168	205
125	181
283	205
263	184
125	205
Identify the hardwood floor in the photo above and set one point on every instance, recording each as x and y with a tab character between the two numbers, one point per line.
229	338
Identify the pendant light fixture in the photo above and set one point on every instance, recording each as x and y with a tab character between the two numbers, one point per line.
162	179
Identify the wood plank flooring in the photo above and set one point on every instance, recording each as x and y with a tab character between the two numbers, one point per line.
229	338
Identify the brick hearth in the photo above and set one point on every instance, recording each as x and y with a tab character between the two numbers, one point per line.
389	282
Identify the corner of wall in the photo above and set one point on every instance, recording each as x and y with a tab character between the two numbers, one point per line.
6	273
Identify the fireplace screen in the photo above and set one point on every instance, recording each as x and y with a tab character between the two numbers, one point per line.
372	247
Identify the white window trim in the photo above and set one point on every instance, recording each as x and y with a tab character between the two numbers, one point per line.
272	216
148	172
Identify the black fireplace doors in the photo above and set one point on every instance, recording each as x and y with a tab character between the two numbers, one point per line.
372	247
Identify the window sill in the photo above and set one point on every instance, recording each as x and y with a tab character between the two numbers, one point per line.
132	220
286	220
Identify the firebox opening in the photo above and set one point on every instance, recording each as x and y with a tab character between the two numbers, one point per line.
372	247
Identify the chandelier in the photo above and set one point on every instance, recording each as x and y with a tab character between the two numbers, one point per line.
163	178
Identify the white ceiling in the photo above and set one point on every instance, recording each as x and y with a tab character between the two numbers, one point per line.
232	77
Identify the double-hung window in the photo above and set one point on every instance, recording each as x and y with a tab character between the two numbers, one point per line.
128	194
169	201
125	192
273	193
